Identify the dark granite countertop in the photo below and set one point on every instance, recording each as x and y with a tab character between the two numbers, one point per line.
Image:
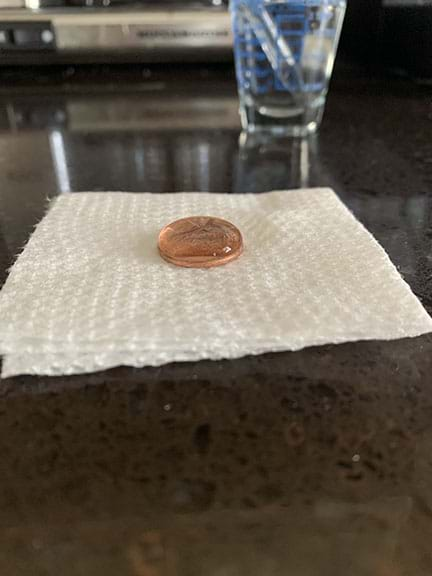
317	462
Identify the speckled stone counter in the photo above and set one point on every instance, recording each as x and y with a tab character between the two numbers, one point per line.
317	462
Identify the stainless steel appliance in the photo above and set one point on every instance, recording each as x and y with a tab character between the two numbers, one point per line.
46	31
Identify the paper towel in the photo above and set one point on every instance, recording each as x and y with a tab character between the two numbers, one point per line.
90	290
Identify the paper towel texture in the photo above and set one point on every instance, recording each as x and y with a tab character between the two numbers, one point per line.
90	290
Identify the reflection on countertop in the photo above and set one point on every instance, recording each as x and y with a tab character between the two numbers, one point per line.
306	463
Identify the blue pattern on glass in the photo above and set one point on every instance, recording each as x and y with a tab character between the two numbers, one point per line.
290	22
284	53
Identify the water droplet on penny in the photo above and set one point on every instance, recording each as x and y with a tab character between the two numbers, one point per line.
200	242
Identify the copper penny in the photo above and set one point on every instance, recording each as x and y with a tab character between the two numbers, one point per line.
200	242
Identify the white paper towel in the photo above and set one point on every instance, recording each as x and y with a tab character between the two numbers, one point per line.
90	291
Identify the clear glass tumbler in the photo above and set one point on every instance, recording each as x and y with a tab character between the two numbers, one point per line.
285	50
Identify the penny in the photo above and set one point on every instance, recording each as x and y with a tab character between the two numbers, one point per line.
200	242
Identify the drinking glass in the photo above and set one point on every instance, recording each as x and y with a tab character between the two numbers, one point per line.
284	51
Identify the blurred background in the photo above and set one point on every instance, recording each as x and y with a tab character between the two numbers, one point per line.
393	33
